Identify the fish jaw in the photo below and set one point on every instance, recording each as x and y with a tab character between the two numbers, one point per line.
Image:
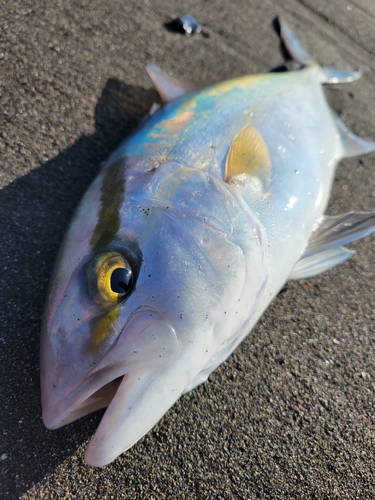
146	346
141	401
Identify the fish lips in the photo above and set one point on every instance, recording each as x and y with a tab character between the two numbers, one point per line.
128	381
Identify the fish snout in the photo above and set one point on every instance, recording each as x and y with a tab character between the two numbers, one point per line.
147	343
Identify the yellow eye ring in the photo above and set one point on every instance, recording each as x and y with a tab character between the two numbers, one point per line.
109	278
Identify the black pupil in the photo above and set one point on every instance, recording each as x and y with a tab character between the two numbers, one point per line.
121	280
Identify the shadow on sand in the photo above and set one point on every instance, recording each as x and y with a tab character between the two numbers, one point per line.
34	213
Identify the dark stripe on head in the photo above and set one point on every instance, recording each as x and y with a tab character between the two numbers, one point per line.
113	189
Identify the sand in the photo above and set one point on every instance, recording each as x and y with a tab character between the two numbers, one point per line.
291	413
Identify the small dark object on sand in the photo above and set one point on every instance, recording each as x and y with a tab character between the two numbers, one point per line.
186	24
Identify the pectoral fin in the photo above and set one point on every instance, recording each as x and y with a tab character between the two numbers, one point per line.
248	154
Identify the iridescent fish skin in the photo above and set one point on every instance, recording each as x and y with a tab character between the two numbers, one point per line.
210	208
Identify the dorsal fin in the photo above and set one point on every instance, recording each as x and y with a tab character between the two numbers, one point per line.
248	154
169	88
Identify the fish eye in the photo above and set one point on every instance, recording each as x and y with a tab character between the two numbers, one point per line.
109	279
121	280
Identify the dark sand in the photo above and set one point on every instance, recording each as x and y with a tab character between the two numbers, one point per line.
291	413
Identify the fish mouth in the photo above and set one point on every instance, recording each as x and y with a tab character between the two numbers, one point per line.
75	406
100	399
128	382
54	418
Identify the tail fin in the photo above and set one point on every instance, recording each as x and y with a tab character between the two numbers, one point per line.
333	75
299	54
293	46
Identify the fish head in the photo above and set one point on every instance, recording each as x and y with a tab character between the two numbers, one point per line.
146	288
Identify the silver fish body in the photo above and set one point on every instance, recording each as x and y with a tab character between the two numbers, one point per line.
190	230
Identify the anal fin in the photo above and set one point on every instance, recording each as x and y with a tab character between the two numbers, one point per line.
324	249
318	263
334	231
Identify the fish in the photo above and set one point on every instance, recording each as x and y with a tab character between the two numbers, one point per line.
190	230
